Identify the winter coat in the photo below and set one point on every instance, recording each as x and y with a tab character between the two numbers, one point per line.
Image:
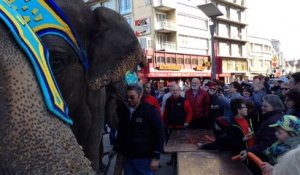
200	103
140	135
278	149
265	135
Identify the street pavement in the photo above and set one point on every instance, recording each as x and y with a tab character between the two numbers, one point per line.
163	170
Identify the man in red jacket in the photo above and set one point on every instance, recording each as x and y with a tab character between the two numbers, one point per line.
148	98
199	100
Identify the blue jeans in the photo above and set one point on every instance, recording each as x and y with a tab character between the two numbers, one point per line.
137	167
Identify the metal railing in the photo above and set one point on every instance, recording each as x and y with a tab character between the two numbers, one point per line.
165	24
166	46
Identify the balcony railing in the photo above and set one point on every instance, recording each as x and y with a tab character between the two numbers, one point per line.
165	26
166	46
164	4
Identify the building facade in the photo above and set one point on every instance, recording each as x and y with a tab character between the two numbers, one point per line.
261	56
175	37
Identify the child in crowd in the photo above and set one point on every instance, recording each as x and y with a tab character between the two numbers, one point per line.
287	135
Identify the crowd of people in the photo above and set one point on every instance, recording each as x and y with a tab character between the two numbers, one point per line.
255	117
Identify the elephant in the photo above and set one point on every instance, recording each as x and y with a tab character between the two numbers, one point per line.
36	142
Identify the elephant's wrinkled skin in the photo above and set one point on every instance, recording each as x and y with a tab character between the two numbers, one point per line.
112	50
33	141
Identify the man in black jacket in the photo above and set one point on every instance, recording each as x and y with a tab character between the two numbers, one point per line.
140	136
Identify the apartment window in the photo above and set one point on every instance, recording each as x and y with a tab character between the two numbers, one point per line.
223	9
162	39
161	17
147	2
234	14
235	50
266	49
193	42
125	6
223	30
234	32
224	49
257	48
192	21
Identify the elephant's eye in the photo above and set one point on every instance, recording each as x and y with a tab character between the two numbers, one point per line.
57	63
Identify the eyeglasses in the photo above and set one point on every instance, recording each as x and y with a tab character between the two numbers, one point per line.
131	97
243	106
213	89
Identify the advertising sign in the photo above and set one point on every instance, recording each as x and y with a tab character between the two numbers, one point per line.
142	27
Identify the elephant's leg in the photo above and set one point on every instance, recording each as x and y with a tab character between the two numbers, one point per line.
33	141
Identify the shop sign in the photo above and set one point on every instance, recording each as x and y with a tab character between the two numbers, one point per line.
178	74
169	67
142	27
200	68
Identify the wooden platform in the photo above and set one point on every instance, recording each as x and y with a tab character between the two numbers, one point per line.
186	140
209	163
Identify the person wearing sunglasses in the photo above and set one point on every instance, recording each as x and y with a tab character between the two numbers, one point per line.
140	136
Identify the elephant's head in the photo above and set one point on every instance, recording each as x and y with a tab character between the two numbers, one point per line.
112	50
33	141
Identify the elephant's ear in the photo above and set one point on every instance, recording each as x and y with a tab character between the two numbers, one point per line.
114	49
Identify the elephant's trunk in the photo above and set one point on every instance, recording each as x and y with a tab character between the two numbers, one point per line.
33	141
126	63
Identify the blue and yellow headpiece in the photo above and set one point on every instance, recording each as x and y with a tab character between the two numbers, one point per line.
28	20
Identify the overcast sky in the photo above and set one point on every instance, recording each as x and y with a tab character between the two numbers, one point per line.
276	19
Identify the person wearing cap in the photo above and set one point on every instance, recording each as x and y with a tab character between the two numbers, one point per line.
287	134
288	138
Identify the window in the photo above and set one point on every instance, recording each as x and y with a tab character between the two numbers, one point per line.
129	19
223	30
160	59
180	61
234	32
161	17
168	60
224	49
187	61
125	6
173	60
192	21
235	50
234	14
147	2
193	42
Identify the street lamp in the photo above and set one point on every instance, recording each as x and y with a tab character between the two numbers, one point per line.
212	11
